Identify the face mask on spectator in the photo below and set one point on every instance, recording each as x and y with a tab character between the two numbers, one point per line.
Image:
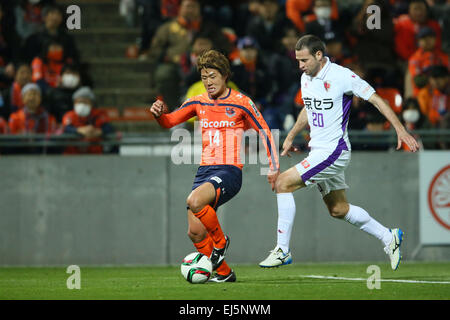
70	81
411	115
82	109
323	12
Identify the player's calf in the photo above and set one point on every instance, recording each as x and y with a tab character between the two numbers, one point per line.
339	211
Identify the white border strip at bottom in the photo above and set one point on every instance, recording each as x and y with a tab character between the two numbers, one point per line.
381	280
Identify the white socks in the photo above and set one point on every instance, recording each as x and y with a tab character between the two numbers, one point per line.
360	218
356	216
286	215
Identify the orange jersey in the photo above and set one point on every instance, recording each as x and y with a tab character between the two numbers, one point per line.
223	122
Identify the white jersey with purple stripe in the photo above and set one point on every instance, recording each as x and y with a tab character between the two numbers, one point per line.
327	98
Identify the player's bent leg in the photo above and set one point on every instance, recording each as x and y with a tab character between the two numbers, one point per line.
204	244
199	202
337	204
204	195
338	207
197	231
287	182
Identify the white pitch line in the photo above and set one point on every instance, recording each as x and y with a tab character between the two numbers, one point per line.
381	280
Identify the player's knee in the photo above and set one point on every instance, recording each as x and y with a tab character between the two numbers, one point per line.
281	185
338	210
194	203
196	235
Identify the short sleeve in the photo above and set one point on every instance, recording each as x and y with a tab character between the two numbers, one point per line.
357	86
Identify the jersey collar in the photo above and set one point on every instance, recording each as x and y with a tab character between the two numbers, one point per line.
226	97
322	73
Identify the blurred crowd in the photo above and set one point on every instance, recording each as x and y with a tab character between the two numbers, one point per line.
405	58
45	87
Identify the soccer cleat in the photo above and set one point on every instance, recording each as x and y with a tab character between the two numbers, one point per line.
231	277
276	258
218	255
393	249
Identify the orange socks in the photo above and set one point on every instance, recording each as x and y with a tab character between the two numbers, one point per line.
209	219
206	247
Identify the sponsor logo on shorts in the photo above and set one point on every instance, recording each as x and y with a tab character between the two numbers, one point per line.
305	164
216	179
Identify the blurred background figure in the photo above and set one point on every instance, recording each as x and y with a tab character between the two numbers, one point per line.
22	78
283	69
250	72
407	26
153	14
171	41
267	27
32	118
54	31
46	68
434	98
9	46
59	99
202	42
374	48
29	16
426	56
85	120
297	9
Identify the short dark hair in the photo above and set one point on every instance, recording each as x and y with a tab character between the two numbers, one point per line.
312	43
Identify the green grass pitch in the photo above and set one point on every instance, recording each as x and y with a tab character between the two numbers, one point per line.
292	282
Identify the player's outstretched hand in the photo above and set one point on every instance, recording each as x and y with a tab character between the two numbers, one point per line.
405	137
272	178
157	108
287	146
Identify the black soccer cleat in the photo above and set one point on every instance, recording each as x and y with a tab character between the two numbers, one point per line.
218	255
231	277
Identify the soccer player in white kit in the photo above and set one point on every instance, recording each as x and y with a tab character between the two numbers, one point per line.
327	90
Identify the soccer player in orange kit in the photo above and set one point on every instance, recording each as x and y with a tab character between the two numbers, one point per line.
223	115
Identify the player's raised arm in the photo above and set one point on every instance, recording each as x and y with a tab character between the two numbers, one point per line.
300	124
402	135
169	120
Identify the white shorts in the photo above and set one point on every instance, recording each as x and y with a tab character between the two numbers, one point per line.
325	169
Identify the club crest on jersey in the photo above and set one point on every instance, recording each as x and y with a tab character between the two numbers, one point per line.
230	112
326	85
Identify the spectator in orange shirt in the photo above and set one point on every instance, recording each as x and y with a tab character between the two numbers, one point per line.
23	77
85	120
48	66
434	99
296	9
407	26
426	56
32	118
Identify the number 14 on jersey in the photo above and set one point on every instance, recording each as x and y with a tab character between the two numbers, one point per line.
214	138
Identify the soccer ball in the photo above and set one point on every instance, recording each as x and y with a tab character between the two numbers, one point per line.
196	267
